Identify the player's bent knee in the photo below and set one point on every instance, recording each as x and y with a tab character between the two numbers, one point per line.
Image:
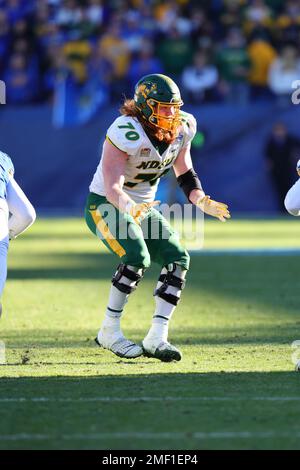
140	260
183	259
186	260
176	255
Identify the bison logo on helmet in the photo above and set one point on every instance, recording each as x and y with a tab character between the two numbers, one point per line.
146	90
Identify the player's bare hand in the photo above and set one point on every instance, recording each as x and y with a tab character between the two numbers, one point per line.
214	208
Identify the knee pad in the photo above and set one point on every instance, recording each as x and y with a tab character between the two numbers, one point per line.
173	282
127	278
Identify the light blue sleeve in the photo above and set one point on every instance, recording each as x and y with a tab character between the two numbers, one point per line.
6	173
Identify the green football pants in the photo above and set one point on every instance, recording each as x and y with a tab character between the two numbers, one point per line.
154	240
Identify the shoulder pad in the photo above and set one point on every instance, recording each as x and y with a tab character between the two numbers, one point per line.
125	133
189	125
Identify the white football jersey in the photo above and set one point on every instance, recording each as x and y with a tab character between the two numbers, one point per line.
145	166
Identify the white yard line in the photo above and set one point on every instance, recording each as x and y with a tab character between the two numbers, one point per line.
150	436
142	399
246	251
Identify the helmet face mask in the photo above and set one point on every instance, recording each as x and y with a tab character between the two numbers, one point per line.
154	94
166	122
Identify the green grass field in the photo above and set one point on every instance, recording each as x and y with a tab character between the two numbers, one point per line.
235	387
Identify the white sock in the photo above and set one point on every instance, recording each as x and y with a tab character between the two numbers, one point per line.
164	310
3	243
116	303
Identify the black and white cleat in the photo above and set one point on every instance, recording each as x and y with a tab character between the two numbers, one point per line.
121	348
165	352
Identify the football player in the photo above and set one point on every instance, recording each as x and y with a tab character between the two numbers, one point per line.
16	213
151	136
292	199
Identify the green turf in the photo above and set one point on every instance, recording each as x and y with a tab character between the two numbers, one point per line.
234	388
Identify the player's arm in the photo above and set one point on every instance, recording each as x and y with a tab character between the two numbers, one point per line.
3	244
189	181
184	165
22	212
292	199
114	164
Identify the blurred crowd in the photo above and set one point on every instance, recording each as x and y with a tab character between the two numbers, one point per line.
218	50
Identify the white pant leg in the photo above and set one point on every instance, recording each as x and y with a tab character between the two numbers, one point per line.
292	199
22	212
3	242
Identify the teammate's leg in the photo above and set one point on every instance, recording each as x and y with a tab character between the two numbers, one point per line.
168	252
22	212
292	199
3	245
124	238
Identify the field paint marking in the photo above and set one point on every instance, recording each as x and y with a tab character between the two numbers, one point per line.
150	435
141	399
245	251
